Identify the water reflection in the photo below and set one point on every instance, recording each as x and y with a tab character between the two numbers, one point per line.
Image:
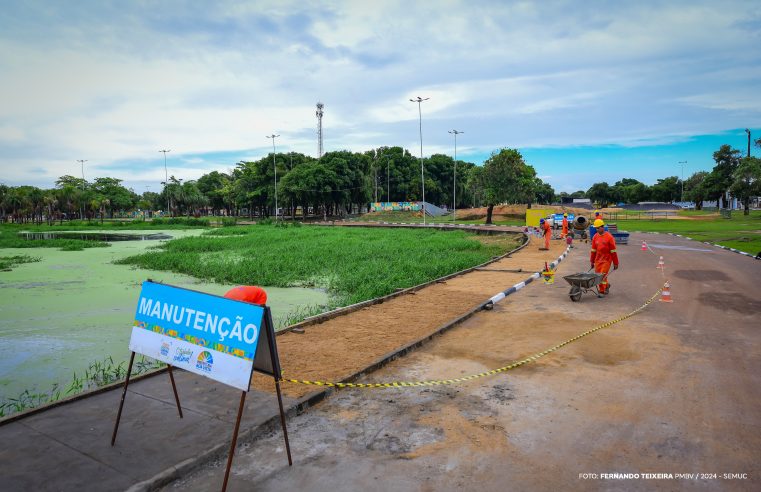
94	236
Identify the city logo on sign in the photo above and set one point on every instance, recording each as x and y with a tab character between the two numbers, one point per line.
182	355
205	361
165	348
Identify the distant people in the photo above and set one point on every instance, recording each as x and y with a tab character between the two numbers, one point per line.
592	227
565	226
544	226
603	253
248	293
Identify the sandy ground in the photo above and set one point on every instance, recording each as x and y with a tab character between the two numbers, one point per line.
342	346
673	390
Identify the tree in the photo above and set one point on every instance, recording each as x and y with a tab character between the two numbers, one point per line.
506	178
116	196
727	159
212	185
747	181
694	189
667	189
600	193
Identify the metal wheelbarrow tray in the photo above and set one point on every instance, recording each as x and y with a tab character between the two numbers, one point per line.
581	283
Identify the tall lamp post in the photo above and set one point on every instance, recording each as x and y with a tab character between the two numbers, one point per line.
166	182
274	165
454	186
748	132
682	163
81	204
419	100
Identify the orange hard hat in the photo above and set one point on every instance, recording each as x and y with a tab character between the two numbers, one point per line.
248	293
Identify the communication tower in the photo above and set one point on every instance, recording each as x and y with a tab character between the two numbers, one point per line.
319	129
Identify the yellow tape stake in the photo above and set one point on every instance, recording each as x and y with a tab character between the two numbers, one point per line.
531	358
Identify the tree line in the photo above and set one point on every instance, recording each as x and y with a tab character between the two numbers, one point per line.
732	176
344	182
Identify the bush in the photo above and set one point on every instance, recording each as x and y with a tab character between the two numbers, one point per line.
264	221
228	221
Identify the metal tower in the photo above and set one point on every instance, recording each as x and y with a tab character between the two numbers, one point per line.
319	129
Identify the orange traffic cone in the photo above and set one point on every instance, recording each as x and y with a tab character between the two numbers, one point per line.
666	293
644	246
661	265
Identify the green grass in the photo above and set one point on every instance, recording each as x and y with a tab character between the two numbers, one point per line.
9	238
99	373
353	264
741	232
8	262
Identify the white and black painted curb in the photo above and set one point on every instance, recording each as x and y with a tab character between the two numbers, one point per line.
717	245
706	242
515	288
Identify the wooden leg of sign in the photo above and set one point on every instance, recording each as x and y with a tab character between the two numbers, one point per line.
282	422
124	394
235	440
174	388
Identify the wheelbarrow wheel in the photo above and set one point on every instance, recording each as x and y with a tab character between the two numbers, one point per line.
575	293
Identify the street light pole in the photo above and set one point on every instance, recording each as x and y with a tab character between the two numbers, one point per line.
454	186
419	100
682	163
748	132
388	181
81	205
274	165
166	183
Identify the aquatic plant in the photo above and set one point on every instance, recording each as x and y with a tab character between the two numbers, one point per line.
99	373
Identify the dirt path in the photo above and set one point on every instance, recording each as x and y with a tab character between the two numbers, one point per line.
344	345
673	390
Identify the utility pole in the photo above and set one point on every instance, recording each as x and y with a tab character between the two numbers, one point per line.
166	183
454	186
682	163
419	100
81	203
319	114
748	132
274	165
388	181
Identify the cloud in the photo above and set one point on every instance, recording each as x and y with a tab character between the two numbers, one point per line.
114	83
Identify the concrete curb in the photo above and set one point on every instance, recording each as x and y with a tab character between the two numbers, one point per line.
704	242
515	288
717	245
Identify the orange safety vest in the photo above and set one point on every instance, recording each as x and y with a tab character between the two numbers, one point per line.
603	248
546	228
248	293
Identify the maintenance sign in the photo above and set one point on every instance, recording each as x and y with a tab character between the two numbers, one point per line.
201	333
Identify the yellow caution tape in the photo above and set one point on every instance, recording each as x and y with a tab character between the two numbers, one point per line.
532	358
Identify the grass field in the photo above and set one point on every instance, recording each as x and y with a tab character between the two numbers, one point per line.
741	232
353	264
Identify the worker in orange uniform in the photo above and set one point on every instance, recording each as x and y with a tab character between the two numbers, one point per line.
603	254
248	293
565	226
547	232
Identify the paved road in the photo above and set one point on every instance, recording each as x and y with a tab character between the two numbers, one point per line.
672	390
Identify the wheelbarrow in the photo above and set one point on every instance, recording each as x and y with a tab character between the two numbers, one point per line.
583	282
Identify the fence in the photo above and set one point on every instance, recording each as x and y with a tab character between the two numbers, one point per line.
644	215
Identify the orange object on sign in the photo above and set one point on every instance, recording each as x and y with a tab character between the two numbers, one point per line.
248	293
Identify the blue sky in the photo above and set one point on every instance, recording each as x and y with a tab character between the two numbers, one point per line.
587	90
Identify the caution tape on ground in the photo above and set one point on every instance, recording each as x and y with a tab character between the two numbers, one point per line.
439	382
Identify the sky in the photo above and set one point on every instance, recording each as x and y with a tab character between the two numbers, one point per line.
587	90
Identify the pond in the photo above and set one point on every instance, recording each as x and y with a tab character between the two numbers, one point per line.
94	236
75	307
